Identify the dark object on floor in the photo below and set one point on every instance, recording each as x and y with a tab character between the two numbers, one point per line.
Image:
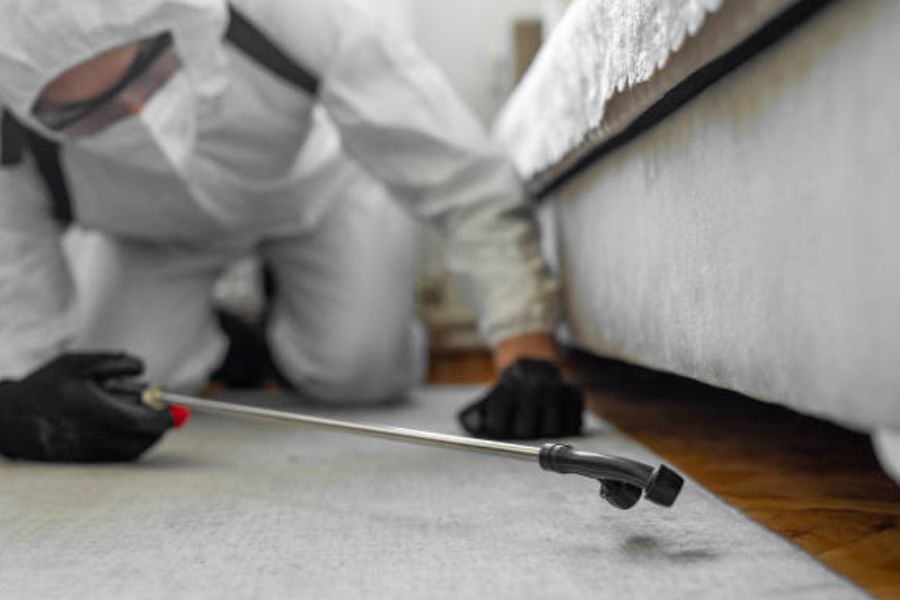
63	413
530	401
248	362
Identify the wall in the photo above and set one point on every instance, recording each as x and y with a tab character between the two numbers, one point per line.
471	40
398	12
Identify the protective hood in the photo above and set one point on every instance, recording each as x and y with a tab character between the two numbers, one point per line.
43	38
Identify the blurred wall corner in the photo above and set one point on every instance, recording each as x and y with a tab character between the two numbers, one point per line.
552	11
471	41
399	13
528	35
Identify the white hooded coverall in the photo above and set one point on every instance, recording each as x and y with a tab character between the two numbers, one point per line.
241	161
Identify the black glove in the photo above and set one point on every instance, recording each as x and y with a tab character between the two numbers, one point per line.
531	401
62	413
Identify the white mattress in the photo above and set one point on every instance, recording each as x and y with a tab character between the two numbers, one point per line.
752	239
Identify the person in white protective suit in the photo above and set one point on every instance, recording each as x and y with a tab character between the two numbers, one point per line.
183	134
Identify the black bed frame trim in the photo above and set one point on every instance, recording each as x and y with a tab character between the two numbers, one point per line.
688	89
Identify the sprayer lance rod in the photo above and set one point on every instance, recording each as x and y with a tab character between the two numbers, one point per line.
158	398
623	481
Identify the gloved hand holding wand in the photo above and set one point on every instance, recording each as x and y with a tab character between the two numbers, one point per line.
62	412
531	399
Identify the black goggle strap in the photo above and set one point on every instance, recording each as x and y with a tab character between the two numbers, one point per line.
62	117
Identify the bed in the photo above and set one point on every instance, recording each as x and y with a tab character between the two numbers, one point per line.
720	193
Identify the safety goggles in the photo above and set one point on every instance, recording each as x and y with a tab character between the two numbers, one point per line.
153	65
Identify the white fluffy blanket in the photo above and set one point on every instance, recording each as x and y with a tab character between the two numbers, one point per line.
600	47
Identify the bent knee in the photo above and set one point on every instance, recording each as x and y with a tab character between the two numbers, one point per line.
353	371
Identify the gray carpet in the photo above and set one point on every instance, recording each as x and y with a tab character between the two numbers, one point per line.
240	509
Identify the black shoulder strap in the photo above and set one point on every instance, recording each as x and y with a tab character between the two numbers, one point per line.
257	45
16	139
12	145
46	157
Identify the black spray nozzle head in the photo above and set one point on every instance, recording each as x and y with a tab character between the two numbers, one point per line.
621	495
623	481
664	486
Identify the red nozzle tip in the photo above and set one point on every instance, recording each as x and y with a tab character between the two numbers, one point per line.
180	415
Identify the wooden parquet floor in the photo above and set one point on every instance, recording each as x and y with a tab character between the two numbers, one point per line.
816	484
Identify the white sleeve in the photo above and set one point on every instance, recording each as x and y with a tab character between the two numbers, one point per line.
35	283
400	120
